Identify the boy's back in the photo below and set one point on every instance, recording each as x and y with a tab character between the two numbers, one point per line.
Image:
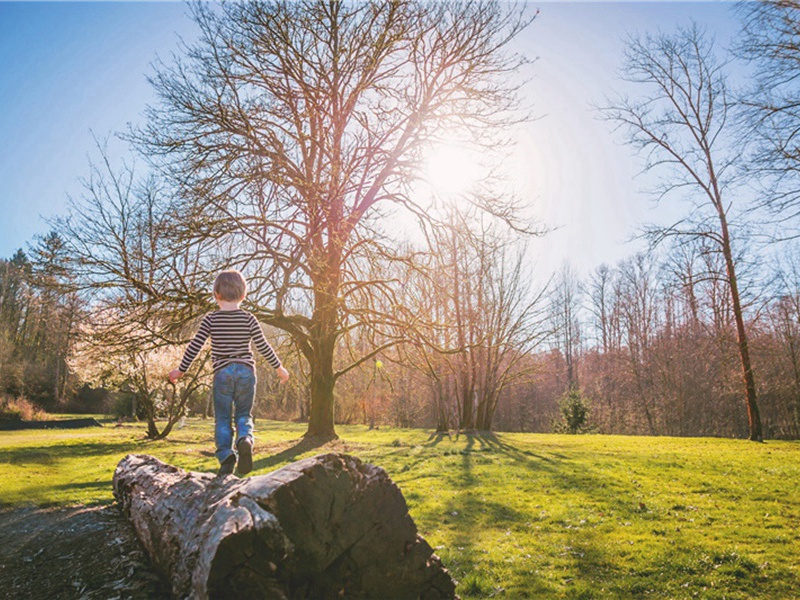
230	332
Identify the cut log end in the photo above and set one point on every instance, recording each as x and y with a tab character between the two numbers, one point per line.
329	526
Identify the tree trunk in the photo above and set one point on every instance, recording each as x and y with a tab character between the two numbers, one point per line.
753	415
324	334
321	415
324	527
152	428
209	404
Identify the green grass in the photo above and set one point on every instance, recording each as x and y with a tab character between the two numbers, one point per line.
513	515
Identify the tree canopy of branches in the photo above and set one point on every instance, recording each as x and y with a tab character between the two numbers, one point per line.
770	40
288	123
682	124
115	239
479	318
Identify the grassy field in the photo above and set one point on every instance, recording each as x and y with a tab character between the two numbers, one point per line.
513	515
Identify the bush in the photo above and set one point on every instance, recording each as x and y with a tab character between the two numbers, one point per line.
20	409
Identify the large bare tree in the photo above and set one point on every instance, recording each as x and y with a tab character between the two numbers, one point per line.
681	121
288	126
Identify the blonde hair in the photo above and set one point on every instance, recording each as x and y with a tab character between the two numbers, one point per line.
230	286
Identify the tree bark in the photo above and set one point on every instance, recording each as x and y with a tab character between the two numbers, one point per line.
324	335
321	415
324	527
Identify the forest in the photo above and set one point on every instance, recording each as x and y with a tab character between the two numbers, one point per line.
255	159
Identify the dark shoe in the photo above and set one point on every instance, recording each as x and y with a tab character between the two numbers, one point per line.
245	448
226	468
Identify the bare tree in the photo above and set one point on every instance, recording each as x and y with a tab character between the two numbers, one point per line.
432	339
115	242
600	296
682	124
290	124
783	321
565	305
639	301
770	41
479	317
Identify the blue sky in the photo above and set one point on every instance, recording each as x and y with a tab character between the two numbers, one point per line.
69	69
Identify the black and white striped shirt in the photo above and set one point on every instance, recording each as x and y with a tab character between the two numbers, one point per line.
231	332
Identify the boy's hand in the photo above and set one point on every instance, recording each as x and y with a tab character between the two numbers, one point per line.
174	375
283	374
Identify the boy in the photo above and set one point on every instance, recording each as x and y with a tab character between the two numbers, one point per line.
231	330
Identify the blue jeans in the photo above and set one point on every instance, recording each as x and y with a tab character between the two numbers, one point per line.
234	390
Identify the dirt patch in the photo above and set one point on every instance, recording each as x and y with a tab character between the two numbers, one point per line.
84	552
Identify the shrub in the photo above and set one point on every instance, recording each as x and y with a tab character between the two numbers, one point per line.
575	408
20	409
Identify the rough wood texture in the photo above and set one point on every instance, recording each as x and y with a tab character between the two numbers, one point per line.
324	527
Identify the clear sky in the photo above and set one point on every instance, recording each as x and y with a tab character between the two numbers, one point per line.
70	69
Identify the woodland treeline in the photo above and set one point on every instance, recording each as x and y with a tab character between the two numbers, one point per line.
257	158
650	343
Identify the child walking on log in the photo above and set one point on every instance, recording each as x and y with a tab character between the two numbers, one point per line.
231	329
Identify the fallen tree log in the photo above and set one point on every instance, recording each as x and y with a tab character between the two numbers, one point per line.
329	526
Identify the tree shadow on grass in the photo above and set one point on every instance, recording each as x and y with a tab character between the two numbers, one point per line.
471	512
300	446
81	485
491	442
564	473
470	515
571	553
438	436
49	455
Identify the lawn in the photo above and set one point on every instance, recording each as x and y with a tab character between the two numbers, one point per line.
512	515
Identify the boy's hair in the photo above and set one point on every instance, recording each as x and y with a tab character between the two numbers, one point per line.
230	286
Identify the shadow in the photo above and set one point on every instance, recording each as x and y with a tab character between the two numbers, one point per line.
181	441
48	455
436	437
490	441
469	513
82	485
472	516
301	446
577	527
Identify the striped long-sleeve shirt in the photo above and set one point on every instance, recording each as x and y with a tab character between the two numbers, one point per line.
230	332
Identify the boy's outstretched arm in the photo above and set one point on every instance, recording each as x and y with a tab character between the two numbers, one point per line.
266	350
192	350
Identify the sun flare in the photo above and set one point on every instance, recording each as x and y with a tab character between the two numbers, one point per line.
452	169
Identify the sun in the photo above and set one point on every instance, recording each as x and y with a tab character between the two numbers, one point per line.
452	169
